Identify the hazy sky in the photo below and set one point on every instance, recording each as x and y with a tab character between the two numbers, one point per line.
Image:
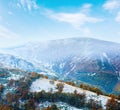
24	21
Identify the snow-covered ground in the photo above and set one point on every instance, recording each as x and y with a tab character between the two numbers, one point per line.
44	84
61	105
48	73
15	76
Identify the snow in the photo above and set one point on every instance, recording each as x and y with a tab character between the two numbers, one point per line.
92	74
73	67
48	73
15	77
106	56
61	105
119	76
62	65
11	61
48	65
82	48
44	84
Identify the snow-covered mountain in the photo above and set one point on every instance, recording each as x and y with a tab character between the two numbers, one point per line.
92	61
10	61
56	49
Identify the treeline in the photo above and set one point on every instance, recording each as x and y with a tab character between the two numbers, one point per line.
52	107
6	107
73	99
93	89
23	99
87	87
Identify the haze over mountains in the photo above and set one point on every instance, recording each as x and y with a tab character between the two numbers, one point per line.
92	61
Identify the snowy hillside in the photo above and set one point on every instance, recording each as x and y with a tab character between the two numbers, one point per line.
44	84
11	61
61	105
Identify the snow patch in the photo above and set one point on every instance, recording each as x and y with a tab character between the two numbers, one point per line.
44	84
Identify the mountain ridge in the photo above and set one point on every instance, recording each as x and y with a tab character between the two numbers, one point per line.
86	59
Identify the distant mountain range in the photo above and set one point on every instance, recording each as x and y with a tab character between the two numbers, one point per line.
10	61
92	61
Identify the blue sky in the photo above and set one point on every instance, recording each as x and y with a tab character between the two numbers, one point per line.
23	21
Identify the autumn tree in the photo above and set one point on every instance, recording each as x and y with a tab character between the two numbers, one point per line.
11	82
9	98
1	89
30	105
53	107
60	86
112	104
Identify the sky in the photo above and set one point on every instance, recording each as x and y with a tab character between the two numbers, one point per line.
23	21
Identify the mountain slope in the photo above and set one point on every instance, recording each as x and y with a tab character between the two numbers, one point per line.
11	61
40	85
92	61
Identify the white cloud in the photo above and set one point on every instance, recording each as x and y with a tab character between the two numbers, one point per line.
86	8
75	19
111	5
29	4
7	34
8	38
118	17
114	7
